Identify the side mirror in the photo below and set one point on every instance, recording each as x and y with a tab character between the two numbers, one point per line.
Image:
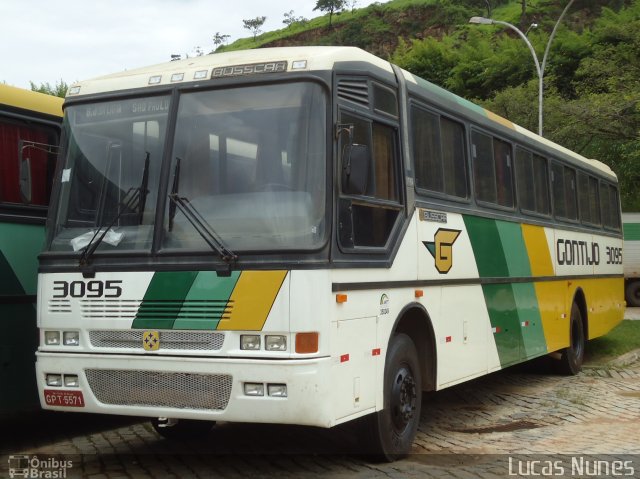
356	161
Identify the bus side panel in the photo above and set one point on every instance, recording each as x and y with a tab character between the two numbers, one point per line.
19	248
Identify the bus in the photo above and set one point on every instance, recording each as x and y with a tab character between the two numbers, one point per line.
29	135
631	233
310	236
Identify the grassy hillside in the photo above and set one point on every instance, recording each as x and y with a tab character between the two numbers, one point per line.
592	78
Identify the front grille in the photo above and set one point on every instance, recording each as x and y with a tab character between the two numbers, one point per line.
109	308
172	340
59	306
160	389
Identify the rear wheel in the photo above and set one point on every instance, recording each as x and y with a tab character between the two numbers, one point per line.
572	357
181	429
390	432
632	294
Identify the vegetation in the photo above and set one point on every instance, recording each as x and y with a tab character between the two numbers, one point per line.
624	338
59	89
592	77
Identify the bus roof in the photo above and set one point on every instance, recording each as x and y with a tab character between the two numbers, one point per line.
30	100
282	59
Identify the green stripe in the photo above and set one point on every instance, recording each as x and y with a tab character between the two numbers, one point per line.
487	247
631	231
533	341
206	301
500	251
20	245
503	314
163	300
514	249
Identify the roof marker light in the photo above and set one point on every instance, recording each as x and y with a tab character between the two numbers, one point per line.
200	74
74	90
299	65
177	77
154	80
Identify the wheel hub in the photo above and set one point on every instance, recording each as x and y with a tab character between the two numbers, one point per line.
403	399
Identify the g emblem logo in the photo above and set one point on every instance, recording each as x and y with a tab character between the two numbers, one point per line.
151	340
441	248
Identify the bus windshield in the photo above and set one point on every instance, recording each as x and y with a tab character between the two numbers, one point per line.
249	161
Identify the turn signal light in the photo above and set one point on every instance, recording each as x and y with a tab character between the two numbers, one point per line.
307	343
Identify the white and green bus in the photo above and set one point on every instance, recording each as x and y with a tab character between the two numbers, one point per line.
631	230
309	236
29	134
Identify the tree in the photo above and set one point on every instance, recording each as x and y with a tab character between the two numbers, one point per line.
254	25
330	6
59	89
219	39
290	19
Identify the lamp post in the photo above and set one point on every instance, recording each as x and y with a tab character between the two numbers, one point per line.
539	67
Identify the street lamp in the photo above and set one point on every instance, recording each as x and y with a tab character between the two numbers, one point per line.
539	67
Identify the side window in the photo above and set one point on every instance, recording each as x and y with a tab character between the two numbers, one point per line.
610	206
564	192
27	162
368	215
588	199
492	170
439	153
533	182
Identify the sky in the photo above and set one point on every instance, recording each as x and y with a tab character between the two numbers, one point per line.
47	41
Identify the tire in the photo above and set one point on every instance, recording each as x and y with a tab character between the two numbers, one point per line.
389	433
571	358
181	429
632	294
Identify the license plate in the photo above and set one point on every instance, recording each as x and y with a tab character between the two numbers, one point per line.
63	398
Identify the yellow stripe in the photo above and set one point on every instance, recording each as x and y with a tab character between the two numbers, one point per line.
30	100
251	300
538	250
499	119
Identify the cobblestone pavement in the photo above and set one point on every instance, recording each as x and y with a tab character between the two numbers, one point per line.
470	430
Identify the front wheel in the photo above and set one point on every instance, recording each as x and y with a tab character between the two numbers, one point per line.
572	357
391	431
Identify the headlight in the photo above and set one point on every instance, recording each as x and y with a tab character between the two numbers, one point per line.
71	380
52	338
275	343
254	389
71	338
54	380
250	342
277	390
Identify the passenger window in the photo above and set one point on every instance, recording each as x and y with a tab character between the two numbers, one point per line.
439	153
532	182
564	192
27	162
492	170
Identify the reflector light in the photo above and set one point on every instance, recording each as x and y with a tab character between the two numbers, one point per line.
307	343
341	298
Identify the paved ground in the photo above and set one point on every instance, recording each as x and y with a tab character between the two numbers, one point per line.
496	426
632	313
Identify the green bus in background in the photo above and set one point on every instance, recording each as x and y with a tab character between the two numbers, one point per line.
29	135
631	228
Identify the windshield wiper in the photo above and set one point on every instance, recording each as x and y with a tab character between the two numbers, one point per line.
134	199
203	228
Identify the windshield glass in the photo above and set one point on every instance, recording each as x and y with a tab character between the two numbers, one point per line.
111	173
251	162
